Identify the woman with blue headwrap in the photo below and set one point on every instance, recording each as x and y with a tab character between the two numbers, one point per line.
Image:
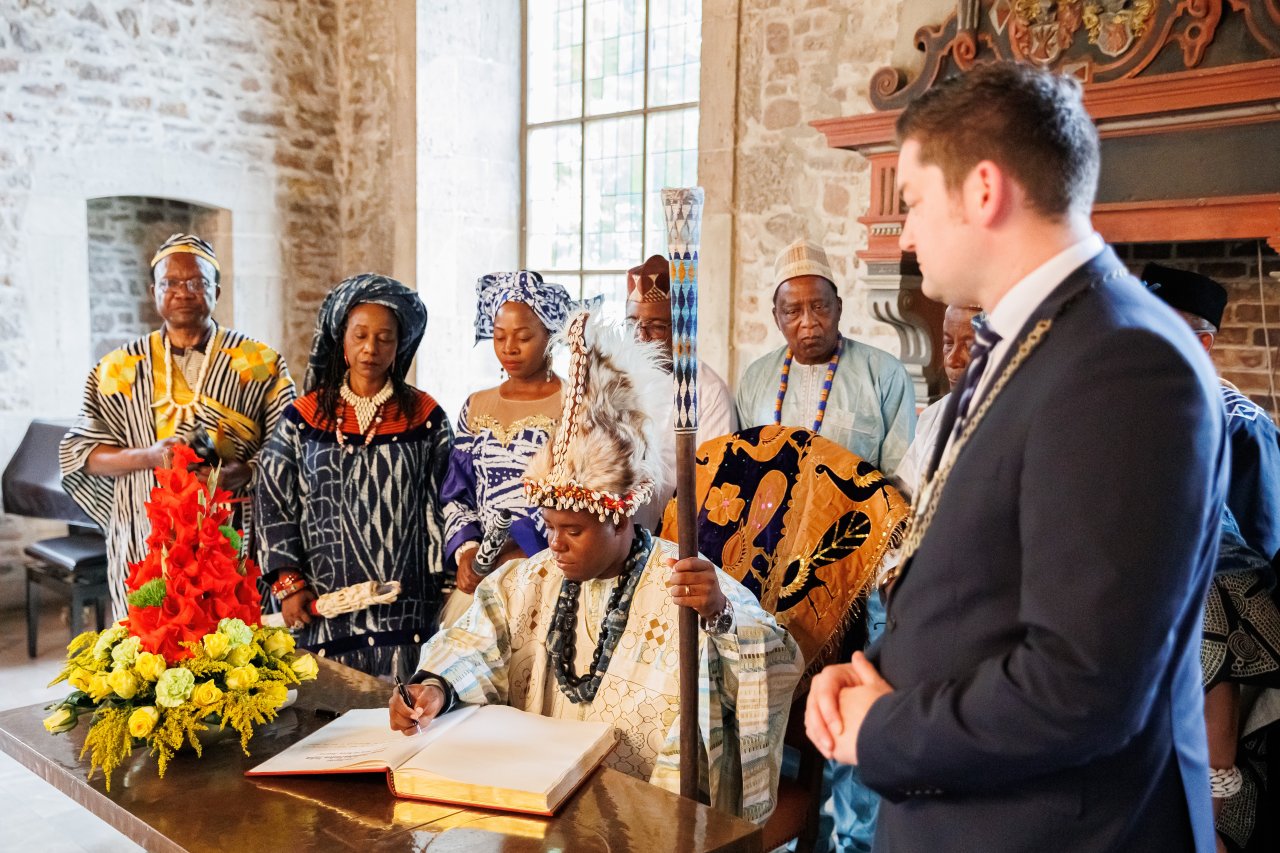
350	483
500	428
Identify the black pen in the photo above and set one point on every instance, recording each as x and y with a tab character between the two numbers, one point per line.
408	703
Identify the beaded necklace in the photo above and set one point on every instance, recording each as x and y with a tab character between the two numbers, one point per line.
562	638
368	413
183	412
822	398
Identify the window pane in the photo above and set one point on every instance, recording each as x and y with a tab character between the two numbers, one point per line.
612	289
675	45
615	56
555	60
612	232
672	153
553	218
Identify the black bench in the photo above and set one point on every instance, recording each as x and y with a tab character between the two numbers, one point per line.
73	566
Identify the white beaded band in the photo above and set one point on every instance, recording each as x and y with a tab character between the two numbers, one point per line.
1225	782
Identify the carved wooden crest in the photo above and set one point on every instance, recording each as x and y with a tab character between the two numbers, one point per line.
1095	40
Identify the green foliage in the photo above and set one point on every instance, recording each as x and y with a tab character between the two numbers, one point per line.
232	536
150	594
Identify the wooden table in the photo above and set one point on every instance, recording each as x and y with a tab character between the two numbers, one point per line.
207	804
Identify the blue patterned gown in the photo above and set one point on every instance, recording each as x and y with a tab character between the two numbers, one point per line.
496	439
346	515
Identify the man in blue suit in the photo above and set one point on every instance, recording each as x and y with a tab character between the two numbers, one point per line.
1038	686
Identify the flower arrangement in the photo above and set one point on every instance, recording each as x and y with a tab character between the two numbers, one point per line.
190	648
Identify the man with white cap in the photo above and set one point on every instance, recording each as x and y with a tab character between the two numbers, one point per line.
855	395
859	397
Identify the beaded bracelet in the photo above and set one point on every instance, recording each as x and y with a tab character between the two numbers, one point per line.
286	584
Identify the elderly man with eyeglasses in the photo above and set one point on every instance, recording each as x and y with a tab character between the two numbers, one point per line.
191	381
856	395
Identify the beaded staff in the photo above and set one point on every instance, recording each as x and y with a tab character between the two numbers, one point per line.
683	209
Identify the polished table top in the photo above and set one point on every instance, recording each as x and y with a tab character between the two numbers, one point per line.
207	804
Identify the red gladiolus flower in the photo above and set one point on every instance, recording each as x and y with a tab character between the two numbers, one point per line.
201	569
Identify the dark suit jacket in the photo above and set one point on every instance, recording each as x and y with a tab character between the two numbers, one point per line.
1044	640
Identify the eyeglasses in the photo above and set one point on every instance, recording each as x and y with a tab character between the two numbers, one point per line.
195	286
656	329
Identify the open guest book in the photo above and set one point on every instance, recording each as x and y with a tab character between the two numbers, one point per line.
486	756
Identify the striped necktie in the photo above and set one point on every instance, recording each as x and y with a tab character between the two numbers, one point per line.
984	339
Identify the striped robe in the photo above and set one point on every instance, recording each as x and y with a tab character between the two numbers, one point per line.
496	653
344	515
245	391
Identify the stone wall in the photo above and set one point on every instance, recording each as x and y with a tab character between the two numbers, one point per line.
216	102
123	234
797	60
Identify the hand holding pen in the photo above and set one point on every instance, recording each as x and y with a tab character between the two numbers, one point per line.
413	705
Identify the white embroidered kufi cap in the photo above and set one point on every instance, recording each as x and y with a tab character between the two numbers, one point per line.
803	257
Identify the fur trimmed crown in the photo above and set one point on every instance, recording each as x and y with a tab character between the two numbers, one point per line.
606	456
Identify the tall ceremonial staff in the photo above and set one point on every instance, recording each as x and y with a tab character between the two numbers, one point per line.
683	209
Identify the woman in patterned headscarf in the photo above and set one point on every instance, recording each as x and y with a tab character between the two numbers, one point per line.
351	482
500	428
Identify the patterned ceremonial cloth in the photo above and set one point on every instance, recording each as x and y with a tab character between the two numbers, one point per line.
496	653
1241	644
496	438
1241	641
1253	493
550	302
342	518
800	522
372	289
871	410
246	388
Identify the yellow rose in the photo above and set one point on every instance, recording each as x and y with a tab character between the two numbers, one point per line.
124	683
241	678
206	694
240	655
99	687
143	720
150	666
61	720
276	691
279	644
216	646
80	679
305	668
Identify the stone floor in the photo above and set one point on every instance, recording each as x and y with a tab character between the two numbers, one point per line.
33	815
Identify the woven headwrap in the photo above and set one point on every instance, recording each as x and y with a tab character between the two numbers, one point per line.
607	452
377	290
187	244
550	302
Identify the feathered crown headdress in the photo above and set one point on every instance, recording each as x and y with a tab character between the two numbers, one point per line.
606	456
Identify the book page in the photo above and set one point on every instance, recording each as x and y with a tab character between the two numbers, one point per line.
359	740
504	747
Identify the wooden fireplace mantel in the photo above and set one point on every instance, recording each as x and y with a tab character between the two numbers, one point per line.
1197	99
